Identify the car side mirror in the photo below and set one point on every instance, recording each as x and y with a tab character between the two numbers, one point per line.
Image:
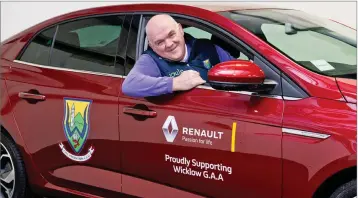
239	75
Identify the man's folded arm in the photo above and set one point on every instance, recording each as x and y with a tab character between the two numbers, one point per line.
145	79
223	55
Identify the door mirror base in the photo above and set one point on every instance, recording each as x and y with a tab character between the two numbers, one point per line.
265	87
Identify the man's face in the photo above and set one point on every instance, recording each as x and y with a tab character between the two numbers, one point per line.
168	41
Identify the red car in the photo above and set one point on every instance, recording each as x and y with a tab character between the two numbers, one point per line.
278	122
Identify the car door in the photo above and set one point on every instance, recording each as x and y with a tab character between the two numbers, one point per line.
203	142
64	91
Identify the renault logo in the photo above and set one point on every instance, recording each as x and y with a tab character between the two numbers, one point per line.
170	136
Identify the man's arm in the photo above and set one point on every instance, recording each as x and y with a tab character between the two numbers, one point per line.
145	79
223	55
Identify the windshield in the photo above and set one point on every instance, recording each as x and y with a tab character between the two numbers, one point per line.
320	45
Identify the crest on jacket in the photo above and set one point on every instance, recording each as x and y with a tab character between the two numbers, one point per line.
207	64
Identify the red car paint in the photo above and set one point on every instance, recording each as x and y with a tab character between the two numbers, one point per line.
132	156
237	72
348	88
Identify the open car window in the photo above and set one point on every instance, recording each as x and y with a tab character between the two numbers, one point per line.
202	34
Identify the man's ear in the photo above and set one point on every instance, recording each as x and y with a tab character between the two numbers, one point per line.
149	42
181	29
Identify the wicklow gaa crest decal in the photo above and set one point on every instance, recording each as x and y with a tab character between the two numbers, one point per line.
76	127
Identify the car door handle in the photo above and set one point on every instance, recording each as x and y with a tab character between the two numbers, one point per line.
134	111
32	96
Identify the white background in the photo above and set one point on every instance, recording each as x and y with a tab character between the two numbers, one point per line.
17	16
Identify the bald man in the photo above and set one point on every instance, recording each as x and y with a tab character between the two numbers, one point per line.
173	62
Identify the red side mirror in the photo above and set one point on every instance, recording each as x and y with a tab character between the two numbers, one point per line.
239	75
237	72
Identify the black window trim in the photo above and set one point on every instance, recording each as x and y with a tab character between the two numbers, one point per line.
52	45
126	45
133	15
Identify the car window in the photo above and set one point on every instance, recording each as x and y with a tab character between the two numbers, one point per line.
202	34
38	50
318	44
88	44
98	36
197	33
328	50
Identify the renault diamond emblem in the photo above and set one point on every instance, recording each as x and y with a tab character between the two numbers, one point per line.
170	136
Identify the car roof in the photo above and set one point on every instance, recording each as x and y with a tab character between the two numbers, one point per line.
214	7
190	8
218	7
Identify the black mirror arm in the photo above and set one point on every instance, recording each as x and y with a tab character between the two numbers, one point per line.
265	87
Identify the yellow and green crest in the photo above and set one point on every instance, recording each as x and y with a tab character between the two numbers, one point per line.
207	64
76	122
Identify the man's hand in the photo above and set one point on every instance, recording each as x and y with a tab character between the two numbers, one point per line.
187	80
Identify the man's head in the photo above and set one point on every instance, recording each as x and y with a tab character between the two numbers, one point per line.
166	37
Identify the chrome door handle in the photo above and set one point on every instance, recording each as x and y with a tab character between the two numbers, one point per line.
134	111
26	95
